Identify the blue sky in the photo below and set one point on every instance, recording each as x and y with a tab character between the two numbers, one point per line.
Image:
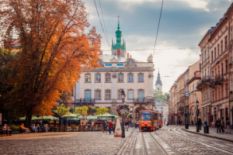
183	24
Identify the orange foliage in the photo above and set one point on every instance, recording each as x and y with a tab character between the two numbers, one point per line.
54	47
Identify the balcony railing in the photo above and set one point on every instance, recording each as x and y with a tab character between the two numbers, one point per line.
218	80
84	102
144	100
206	82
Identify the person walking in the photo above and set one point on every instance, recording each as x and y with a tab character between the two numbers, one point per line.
199	124
217	125
222	125
110	127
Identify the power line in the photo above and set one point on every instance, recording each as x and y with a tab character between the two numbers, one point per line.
101	24
158	26
103	19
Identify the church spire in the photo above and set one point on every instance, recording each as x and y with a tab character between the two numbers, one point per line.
158	83
119	47
118	22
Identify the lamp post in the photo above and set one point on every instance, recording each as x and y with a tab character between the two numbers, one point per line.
123	114
197	115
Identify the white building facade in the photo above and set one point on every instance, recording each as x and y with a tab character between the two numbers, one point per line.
103	86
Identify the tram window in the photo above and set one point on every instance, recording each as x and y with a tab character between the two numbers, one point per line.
146	116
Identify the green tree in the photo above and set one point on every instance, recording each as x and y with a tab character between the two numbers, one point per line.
101	110
83	110
61	110
159	96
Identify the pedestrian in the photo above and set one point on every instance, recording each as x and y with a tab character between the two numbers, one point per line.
199	124
6	130
222	125
217	125
110	127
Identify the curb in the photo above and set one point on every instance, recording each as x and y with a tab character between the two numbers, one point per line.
206	135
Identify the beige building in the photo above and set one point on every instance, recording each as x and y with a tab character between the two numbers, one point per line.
118	75
216	55
194	96
185	104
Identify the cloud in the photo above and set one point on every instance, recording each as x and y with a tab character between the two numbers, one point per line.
197	4
183	24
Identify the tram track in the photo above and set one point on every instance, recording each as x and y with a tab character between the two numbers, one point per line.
198	140
151	145
141	143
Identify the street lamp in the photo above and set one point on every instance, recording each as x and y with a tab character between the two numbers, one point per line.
197	115
123	114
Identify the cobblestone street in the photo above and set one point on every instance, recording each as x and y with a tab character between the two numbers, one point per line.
168	140
191	144
80	143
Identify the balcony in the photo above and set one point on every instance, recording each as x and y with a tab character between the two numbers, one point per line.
145	100
197	76
218	80
80	102
206	82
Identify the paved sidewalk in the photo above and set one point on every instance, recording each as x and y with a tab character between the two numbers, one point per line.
212	133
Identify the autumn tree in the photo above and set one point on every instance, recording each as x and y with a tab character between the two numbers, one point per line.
54	45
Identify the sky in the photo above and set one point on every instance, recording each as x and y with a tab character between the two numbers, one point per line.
183	24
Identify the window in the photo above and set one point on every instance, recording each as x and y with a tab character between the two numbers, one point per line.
141	94
87	78
87	94
107	94
130	77
226	66
221	46
226	44
140	77
97	77
130	94
97	94
107	78
120	77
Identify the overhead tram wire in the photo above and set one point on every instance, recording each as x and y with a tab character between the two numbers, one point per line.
104	25
101	24
158	26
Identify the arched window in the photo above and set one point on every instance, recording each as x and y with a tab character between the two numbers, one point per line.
107	78
87	78
120	77
130	77
140	77
97	77
97	94
107	94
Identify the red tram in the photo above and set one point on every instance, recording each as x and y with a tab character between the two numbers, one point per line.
150	120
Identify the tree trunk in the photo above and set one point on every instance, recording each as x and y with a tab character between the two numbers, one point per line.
28	119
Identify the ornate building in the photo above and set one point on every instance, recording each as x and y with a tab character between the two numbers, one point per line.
103	86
